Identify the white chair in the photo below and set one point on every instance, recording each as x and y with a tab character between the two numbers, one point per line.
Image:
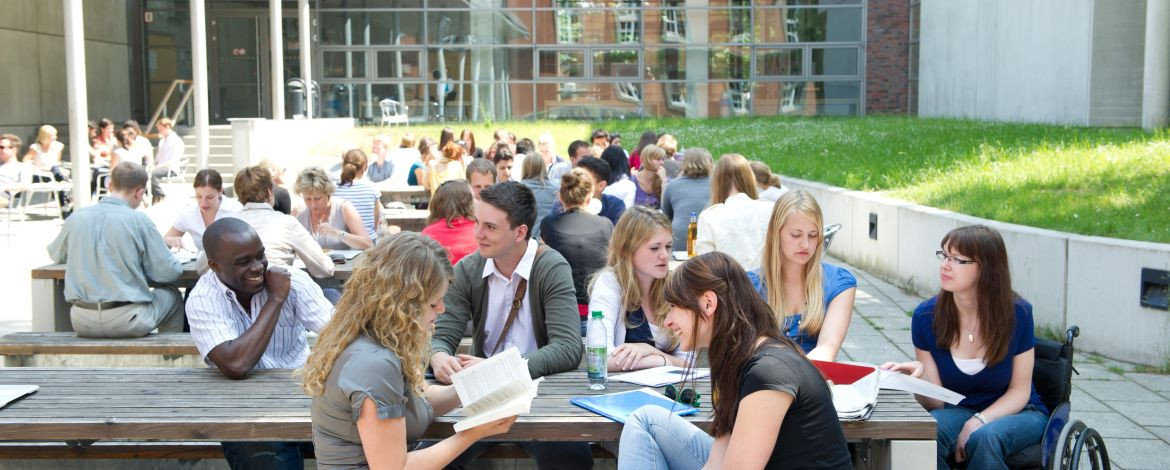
393	112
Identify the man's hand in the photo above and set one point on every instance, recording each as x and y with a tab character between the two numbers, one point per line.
443	365
466	361
278	282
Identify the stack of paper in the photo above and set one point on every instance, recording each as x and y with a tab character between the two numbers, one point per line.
661	376
855	387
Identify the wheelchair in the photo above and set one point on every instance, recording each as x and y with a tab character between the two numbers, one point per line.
1065	441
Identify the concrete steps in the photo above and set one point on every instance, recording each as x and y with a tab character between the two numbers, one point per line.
219	156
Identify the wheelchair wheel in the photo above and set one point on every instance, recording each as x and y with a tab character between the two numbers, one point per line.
1061	458
1090	442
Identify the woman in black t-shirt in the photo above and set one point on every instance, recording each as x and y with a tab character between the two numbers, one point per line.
774	400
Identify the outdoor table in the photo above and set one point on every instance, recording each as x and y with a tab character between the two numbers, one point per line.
50	311
201	405
410	220
409	195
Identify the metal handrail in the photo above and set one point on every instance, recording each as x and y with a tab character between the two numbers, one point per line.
167	98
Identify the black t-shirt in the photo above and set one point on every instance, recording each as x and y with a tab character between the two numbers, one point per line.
810	436
283	203
582	238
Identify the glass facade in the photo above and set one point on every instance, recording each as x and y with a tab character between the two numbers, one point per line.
519	59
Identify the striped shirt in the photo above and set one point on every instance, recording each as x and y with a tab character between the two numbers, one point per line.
216	316
364	197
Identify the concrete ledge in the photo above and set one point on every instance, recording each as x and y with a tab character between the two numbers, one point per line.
1070	279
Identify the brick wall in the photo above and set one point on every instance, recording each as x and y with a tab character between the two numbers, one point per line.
887	56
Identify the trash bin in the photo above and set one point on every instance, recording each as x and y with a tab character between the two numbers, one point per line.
295	88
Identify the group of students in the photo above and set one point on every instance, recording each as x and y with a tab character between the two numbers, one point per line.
760	307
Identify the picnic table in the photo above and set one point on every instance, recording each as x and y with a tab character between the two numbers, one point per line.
411	220
50	311
201	405
409	195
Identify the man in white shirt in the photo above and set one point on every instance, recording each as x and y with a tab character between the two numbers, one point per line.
245	315
14	175
578	149
170	158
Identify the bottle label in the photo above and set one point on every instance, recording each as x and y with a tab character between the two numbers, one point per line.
596	362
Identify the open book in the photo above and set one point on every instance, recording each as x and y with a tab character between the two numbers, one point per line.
855	387
497	387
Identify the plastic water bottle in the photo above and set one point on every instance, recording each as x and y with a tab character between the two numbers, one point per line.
596	356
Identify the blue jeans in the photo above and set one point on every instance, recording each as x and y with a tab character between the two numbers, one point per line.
988	446
265	455
654	439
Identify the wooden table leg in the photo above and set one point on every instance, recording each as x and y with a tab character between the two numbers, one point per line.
50	311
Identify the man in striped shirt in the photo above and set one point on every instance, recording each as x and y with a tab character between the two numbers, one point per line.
245	315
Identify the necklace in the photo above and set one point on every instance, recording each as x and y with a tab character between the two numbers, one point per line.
971	335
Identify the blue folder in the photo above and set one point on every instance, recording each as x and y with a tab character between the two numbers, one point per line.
619	406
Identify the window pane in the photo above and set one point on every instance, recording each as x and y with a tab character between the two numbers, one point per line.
565	64
729	62
778	62
399	64
835	61
481	26
807	98
667	99
573	100
410	94
667	63
824	24
335	65
619	63
729	25
370	3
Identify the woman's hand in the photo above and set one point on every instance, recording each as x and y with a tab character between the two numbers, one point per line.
627	355
911	368
174	242
493	428
961	443
324	228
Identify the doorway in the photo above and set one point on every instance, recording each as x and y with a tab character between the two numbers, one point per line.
240	64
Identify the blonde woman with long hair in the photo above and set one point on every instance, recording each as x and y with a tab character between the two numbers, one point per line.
812	299
628	292
365	374
735	222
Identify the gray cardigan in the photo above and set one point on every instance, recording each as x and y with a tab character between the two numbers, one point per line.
681	197
552	301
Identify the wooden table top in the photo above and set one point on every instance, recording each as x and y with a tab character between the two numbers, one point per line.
201	405
190	276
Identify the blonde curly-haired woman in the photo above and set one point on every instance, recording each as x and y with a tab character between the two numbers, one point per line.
370	401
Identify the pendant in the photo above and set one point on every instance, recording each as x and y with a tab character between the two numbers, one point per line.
970	337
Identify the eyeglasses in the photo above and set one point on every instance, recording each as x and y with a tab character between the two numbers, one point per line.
943	256
688	396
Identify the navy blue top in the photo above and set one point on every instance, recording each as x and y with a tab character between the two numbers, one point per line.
992	382
835	281
640	333
612	208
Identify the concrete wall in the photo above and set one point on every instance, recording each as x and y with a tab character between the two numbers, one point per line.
1070	279
1119	36
33	56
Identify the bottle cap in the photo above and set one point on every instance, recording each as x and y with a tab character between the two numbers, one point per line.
597	314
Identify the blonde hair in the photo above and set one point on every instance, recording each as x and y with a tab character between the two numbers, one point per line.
697	163
576	188
407	140
772	265
634	228
650	152
668	144
732	171
385	299
43	135
763	174
314	180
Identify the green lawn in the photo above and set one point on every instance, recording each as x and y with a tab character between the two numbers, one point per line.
1107	182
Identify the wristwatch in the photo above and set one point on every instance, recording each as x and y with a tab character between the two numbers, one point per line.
979	416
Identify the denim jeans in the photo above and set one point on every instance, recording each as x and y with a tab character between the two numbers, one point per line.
655	439
265	455
991	444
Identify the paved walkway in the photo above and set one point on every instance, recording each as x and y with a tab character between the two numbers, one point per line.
1130	409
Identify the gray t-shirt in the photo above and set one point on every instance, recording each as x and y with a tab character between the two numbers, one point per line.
681	197
363	370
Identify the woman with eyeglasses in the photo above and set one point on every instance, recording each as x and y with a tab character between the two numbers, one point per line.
371	402
774	408
976	338
812	299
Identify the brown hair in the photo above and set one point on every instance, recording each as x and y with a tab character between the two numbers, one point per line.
740	318
353	162
576	188
451	201
763	174
407	140
533	168
13	139
697	163
128	176
208	177
997	317
468	138
732	171
452	151
126	137
252	184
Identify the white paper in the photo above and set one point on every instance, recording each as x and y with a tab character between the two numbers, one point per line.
497	387
680	255
660	376
899	381
9	393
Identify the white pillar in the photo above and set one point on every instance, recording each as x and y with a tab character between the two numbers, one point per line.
306	66
1156	79
202	122
276	46
78	108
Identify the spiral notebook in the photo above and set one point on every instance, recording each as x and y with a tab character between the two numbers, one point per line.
619	406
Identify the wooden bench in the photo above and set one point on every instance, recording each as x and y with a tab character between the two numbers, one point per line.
57	349
186	405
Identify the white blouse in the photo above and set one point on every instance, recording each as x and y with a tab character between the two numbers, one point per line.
737	227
